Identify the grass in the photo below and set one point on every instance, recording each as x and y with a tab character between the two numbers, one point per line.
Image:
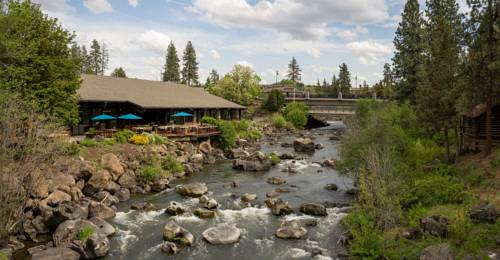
87	142
274	159
72	149
84	233
170	164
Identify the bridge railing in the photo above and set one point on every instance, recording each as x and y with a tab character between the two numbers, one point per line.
332	109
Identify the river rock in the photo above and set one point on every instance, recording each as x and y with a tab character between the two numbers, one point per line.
237	153
106	228
195	189
204	213
123	194
276	180
56	253
169	248
197	158
331	186
159	184
174	233
330	163
96	245
318	146
304	145
55	198
112	187
258	161
247	197
287	156
144	206
222	234
313	209
175	208
435	225
483	212
111	163
291	229
127	180
439	251
106	198
99	181
100	210
279	207
68	211
208	203
272	194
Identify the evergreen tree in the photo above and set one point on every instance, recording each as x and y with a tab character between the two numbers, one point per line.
37	62
84	57
104	59
483	60
409	52
189	66
344	81
325	85
318	84
294	72
119	73
97	59
214	76
335	86
388	82
171	69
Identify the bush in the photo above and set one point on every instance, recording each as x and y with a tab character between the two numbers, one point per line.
170	164
367	242
139	139
274	101
71	149
123	135
88	142
435	190
149	173
109	141
279	122
227	136
274	159
296	113
84	233
156	139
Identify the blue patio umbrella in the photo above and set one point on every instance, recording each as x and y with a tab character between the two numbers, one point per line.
182	114
130	116
103	117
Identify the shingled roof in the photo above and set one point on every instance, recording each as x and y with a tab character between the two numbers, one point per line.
148	93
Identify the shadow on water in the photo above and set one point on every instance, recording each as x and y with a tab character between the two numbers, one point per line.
140	234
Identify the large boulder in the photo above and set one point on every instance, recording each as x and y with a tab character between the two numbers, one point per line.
55	198
208	203
99	181
175	208
205	147
279	207
68	211
106	198
127	180
100	210
313	209
160	184
195	189
56	253
439	251
174	233
144	206
197	158
247	197
90	244
123	194
111	163
304	145
204	213
291	229
435	225
258	161
483	212
222	234
106	228
237	153
169	247
276	180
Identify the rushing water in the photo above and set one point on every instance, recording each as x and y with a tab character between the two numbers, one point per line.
139	234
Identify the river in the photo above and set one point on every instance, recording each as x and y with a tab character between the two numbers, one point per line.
139	234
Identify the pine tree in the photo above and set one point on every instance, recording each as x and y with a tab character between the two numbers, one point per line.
483	66
171	69
214	76
84	56
189	66
409	52
318	84
344	81
119	73
388	82
294	72
104	59
335	86
95	58
325	85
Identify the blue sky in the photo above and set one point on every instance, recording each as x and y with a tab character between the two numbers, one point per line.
321	34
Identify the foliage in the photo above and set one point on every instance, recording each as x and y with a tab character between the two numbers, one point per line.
3	256
296	113
274	159
171	69
367	240
232	130
434	190
96	62
344	80
149	173
71	149
170	164
36	61
119	73
124	135
274	101
109	141
85	233
189	66
157	139
241	86
294	71
139	139
87	142
279	122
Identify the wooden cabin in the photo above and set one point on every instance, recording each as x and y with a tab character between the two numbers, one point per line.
154	101
473	128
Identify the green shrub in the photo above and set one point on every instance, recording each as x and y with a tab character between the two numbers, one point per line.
279	122
3	256
123	135
109	141
71	149
296	113
367	242
84	233
274	101
251	135
157	139
434	190
149	173
170	164
88	142
274	159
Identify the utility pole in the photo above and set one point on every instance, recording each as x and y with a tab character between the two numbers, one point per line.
277	73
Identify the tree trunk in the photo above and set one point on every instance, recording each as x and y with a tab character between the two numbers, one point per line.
458	143
447	143
489	139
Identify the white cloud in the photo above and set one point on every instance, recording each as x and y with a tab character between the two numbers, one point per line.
133	3
215	54
370	52
303	19
245	63
54	6
351	34
154	41
98	6
320	69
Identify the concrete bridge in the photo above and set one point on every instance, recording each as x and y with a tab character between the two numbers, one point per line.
328	109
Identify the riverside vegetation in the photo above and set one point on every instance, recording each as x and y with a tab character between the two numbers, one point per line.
403	180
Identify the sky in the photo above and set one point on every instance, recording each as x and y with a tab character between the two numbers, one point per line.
262	34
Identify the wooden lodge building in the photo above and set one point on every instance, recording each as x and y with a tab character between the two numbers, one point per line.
154	101
473	128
